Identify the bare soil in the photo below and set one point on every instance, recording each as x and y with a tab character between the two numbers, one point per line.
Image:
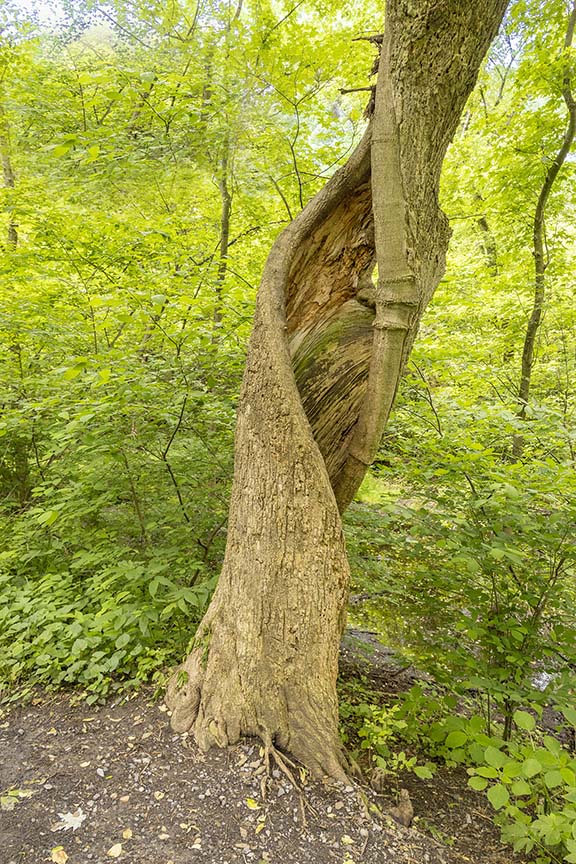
90	785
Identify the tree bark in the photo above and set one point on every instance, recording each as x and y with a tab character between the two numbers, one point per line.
323	366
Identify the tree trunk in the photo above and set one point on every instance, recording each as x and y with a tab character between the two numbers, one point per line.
323	366
225	215
8	174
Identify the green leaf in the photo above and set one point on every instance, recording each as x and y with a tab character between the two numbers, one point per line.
478	783
495	757
103	376
456	739
531	767
487	771
553	779
62	149
521	787
498	796
92	153
72	372
524	720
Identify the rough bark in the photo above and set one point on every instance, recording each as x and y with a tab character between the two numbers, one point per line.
323	366
539	239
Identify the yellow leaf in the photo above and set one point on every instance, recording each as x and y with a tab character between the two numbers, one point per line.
115	851
59	856
251	804
127	833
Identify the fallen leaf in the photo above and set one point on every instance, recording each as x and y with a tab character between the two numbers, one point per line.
70	821
59	856
84	764
163	836
252	804
124	798
52	731
346	840
127	833
158	796
9	801
115	851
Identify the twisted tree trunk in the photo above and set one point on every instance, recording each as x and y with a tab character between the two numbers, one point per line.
323	366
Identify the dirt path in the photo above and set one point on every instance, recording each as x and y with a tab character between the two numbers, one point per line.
140	794
90	785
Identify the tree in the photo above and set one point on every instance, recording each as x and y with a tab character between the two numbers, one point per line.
324	361
541	252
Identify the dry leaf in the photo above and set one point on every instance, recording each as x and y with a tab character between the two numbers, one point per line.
7	803
124	798
52	731
158	796
115	851
127	834
59	856
70	821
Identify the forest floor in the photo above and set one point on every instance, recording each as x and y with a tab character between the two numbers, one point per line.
89	785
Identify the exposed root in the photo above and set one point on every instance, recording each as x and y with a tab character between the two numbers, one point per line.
281	761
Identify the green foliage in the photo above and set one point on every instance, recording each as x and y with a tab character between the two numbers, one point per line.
122	325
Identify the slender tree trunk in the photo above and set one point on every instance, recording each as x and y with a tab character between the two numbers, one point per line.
539	238
8	174
225	215
324	361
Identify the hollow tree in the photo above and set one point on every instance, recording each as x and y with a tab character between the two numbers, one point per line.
324	361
